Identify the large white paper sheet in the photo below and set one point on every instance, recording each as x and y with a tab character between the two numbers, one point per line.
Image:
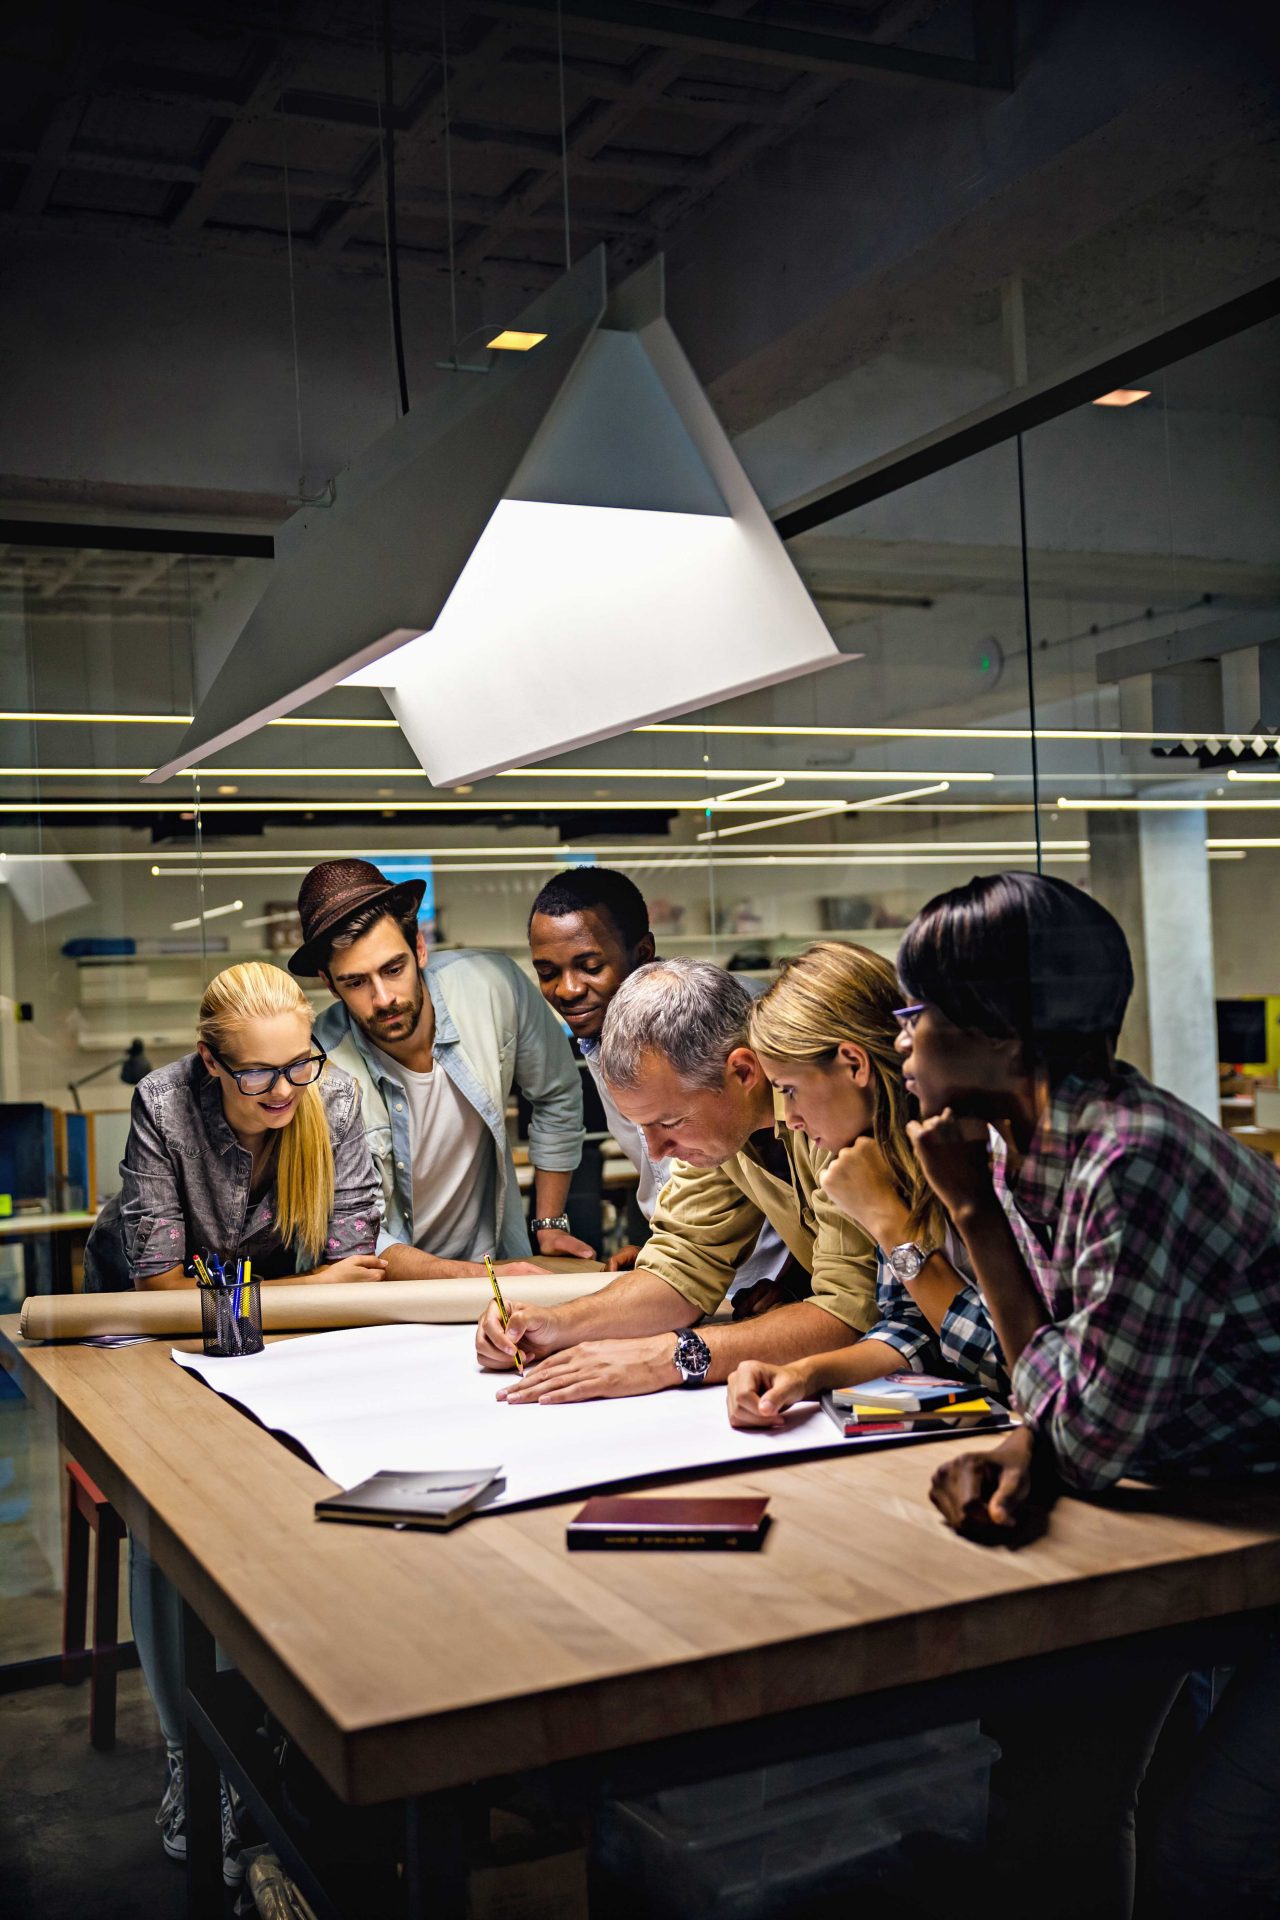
411	1398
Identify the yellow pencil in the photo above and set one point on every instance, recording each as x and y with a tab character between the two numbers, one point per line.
244	1290
502	1307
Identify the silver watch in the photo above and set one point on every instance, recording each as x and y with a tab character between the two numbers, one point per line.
560	1223
906	1261
692	1358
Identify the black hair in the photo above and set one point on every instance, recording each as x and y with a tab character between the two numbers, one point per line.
596	890
364	921
1027	955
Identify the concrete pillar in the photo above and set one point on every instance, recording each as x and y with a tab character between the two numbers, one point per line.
1152	871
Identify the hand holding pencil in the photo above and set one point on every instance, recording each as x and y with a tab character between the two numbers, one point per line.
501	1305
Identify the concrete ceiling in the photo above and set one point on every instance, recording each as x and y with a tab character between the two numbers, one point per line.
245	129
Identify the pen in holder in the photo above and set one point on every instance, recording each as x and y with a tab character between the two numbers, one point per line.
230	1308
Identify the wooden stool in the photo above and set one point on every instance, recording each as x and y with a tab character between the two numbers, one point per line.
89	1509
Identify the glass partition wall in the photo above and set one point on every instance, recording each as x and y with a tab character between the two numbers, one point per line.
1074	664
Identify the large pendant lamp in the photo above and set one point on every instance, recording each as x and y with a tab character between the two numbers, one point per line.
533	560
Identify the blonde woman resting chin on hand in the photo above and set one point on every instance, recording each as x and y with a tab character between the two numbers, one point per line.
252	1147
826	1035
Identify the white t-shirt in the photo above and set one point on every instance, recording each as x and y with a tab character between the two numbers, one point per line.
454	1214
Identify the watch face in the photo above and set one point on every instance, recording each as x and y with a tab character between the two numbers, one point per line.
692	1356
906	1261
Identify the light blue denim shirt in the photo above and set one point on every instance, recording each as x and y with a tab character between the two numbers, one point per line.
493	1031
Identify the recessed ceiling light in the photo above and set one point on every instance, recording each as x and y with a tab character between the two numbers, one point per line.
1123	397
228	789
512	340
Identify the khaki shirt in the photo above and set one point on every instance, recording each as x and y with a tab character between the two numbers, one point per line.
707	1220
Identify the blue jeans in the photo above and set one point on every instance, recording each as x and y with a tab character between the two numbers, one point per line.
155	1607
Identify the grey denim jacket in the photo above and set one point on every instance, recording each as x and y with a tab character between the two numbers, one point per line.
186	1179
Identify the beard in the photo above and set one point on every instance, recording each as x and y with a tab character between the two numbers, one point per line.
399	1022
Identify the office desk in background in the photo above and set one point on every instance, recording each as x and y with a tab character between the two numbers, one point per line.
61	1229
418	1673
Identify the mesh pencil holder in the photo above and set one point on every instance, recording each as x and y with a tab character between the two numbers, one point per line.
232	1319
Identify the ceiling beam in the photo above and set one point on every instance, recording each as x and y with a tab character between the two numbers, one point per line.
1022	408
233	144
693	31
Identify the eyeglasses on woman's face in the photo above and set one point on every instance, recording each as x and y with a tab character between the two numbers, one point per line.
260	1080
906	1017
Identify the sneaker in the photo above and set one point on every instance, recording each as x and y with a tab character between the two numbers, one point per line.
172	1817
232	1860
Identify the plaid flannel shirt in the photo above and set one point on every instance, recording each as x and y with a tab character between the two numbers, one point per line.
1154	1240
966	1344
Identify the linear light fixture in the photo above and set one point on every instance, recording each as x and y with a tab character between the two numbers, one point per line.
512	340
931	733
1254	779
85	719
210	913
398	808
559	854
1207	805
710	861
1123	397
475	553
770	776
823	813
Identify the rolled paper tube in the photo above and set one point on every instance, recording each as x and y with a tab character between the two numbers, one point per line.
174	1312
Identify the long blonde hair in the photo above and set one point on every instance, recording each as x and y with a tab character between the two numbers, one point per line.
833	992
304	1176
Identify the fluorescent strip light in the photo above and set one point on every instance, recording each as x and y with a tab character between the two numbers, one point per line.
210	913
724	773
1234	773
1225	853
931	733
558	855
1165	806
822	813
79	719
513	340
709	862
1123	397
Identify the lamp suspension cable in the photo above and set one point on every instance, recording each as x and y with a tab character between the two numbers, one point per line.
448	180
387	130
564	135
1031	671
293	305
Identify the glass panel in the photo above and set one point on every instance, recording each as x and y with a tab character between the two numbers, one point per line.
100	963
1154	568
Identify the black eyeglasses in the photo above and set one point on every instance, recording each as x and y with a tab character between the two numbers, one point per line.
906	1017
255	1080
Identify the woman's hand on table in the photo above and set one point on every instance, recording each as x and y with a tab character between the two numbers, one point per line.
978	1492
760	1391
356	1266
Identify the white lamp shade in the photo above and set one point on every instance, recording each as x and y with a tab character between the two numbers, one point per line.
619	570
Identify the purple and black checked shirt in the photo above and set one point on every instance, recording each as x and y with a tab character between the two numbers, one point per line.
1154	1240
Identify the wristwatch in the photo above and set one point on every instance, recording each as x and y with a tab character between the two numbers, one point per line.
692	1358
906	1261
560	1224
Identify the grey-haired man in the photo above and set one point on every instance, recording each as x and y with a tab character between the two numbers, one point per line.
675	1056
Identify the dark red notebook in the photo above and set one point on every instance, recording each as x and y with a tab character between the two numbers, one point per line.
613	1522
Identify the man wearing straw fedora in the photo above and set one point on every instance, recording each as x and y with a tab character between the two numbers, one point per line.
436	1047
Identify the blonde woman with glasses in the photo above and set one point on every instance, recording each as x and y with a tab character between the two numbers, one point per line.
251	1147
825	1034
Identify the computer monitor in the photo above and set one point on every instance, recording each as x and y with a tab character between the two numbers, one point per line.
1242	1032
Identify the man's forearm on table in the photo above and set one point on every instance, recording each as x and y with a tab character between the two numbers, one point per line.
412	1263
784	1333
633	1304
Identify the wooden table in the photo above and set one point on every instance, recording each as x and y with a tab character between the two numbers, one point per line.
409	1666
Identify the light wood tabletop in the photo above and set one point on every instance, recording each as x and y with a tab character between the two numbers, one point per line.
404	1662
